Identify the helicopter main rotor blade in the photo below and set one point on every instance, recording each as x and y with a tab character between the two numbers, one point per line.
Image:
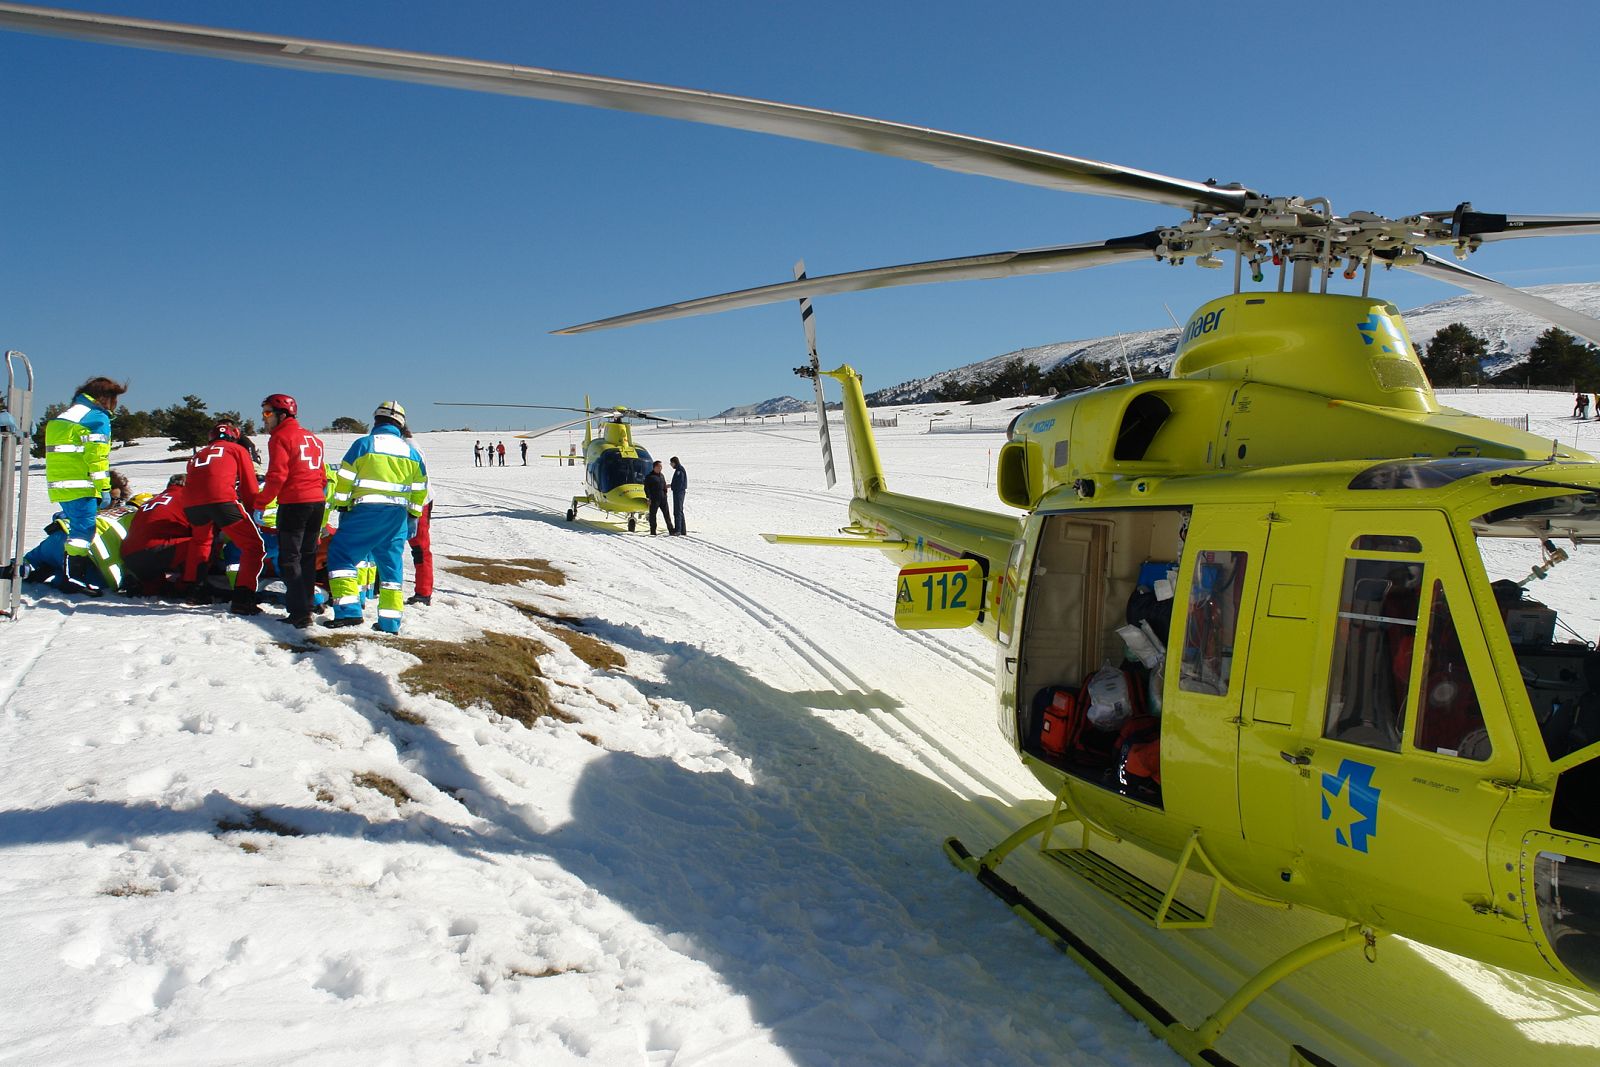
1576	322
964	268
541	407
950	151
1480	226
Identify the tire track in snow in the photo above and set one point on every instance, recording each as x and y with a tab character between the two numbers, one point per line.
911	735
914	737
956	657
20	675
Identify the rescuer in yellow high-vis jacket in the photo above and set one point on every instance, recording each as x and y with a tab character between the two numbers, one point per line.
380	491
77	467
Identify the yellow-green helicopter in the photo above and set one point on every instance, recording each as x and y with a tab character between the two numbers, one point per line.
614	468
1307	577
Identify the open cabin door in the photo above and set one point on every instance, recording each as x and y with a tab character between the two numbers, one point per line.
1206	678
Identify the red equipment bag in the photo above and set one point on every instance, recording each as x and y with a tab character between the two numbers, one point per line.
1061	720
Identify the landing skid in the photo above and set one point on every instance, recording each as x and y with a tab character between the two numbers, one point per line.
1162	910
581	501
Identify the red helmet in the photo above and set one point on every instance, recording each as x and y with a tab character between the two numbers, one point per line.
224	431
282	403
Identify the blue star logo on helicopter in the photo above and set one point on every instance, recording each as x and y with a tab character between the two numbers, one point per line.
1350	803
1380	328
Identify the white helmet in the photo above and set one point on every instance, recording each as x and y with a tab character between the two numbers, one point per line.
391	410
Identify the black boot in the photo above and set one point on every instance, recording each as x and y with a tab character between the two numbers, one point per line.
244	602
78	576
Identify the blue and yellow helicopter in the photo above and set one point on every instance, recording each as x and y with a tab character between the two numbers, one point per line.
614	468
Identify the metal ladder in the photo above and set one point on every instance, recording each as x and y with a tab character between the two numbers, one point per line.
16	422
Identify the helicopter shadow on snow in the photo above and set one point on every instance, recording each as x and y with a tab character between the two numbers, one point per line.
817	889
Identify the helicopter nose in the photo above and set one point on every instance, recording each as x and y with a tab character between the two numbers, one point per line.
1567	891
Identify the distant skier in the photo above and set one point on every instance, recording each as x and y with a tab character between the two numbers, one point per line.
1580	406
77	471
524	453
382	487
680	486
502	450
477	453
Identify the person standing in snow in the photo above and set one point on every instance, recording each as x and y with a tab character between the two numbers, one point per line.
77	465
655	491
524	453
1580	406
477	453
295	480
502	451
381	491
421	541
680	487
219	492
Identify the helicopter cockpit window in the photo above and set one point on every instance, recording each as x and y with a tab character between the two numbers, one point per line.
1207	662
613	469
1377	629
1449	719
1541	610
1426	473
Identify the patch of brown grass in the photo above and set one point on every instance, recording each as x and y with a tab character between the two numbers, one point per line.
543	972
387	786
539	614
498	670
129	889
591	738
249	847
409	717
596	653
259	823
507	571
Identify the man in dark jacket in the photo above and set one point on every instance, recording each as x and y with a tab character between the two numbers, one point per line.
655	491
298	482
680	486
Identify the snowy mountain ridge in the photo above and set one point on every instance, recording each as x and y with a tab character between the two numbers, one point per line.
1509	333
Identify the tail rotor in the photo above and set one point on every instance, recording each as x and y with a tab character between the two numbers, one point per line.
814	372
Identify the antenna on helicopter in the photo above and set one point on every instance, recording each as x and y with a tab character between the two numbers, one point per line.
1127	368
814	372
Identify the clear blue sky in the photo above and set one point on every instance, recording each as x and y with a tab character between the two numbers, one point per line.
228	230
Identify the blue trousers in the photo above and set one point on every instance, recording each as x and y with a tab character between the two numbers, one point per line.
376	532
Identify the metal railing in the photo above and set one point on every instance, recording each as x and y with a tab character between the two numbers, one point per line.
16	459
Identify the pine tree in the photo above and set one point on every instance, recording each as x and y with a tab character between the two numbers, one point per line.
1455	356
1559	359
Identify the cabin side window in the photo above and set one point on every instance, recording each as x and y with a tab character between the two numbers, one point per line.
1207	663
1449	718
1373	643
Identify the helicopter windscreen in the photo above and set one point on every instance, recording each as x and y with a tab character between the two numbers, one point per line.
1552	624
613	470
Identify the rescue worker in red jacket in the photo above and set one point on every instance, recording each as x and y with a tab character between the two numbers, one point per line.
219	492
157	541
296	480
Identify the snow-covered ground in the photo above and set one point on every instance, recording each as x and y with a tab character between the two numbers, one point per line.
730	856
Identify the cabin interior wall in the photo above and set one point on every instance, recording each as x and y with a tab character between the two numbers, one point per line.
1086	568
